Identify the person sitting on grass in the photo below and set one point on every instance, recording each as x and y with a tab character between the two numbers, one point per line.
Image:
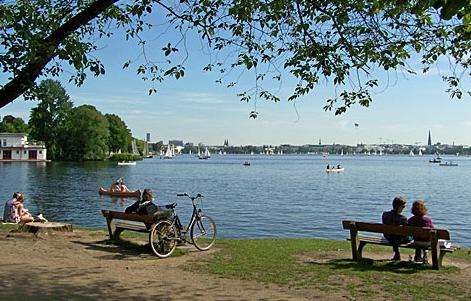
420	220
15	212
394	217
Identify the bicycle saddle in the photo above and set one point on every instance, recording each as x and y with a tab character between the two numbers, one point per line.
171	206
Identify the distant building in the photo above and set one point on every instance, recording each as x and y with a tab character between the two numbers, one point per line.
148	137
189	144
429	143
15	147
176	142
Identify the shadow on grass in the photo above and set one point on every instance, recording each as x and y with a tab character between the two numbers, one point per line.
368	265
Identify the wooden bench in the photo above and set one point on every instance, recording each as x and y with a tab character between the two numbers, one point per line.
131	221
430	236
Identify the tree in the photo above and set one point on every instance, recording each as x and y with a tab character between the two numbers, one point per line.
342	42
84	135
11	124
120	135
47	119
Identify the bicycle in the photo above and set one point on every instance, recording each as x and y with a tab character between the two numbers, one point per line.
166	234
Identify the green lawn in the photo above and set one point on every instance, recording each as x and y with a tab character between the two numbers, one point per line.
326	265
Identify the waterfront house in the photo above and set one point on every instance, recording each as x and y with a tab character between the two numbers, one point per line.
15	147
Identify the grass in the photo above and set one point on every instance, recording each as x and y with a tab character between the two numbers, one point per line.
325	265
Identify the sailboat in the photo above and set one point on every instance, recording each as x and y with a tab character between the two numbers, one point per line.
206	154
411	153
220	153
199	153
189	152
380	152
420	152
168	153
341	153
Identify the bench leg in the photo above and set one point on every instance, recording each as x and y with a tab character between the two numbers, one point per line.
435	248
360	250
440	259
354	242
108	223
117	233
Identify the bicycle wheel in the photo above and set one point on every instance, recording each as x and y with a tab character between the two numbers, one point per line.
203	232
163	238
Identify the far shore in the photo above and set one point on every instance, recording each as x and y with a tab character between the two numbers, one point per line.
85	265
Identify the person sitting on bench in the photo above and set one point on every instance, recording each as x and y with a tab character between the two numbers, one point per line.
144	205
394	217
420	220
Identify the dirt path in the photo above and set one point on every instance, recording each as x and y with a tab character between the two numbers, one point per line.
84	266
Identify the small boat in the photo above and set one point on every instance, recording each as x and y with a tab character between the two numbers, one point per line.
246	163
411	153
335	169
125	163
150	156
129	194
448	164
435	160
420	152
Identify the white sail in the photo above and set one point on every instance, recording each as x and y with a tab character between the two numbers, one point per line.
168	153
206	153
380	152
341	153
189	152
220	152
420	152
411	153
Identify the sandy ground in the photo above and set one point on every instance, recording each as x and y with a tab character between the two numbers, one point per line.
83	265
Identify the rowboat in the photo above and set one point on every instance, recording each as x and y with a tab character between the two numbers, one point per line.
130	194
126	163
335	169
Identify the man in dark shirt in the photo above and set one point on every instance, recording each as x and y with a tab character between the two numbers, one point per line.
394	217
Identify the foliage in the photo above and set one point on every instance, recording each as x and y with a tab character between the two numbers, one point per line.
142	147
125	157
11	124
120	135
84	135
344	43
326	265
46	120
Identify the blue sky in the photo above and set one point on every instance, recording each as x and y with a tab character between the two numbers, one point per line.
198	110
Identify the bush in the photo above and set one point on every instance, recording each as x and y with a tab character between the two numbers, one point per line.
125	157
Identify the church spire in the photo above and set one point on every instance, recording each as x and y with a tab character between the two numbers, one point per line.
429	139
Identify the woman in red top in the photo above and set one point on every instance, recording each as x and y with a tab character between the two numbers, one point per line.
420	220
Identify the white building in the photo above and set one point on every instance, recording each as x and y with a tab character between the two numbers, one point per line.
15	147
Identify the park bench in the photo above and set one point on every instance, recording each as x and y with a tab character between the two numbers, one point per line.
131	221
430	236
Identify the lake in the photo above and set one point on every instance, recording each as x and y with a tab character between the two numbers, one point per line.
277	196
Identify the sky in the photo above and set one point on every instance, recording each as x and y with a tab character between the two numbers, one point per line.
196	109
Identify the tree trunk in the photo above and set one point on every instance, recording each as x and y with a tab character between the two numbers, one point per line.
36	228
25	78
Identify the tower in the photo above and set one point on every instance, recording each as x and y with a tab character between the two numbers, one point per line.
148	137
429	139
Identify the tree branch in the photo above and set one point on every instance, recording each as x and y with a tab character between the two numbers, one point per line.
25	78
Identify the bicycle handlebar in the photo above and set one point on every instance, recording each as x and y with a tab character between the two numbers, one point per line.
191	197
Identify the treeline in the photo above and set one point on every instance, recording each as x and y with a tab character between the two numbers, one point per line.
71	133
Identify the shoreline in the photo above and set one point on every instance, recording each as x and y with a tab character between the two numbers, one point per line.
85	265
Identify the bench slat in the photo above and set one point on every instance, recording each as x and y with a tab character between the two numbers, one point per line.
395	230
131	226
383	242
146	219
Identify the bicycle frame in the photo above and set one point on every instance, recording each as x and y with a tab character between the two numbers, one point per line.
182	233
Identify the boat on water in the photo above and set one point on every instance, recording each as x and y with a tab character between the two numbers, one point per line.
420	152
126	163
448	164
129	194
205	155
411	153
334	169
246	163
168	153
